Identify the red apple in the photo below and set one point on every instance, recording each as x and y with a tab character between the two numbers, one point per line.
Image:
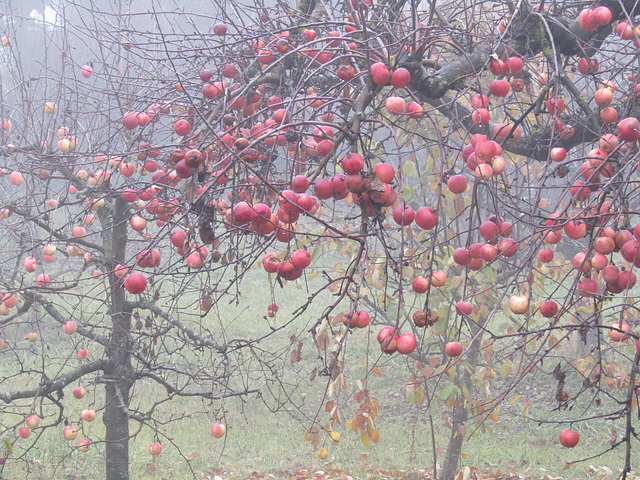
464	308
614	331
457	184
218	430
548	308
400	77
380	74
84	444
545	255
403	215
32	421
406	343
569	438
155	449
88	415
78	392
69	432
420	284
499	88
135	282
453	349
69	327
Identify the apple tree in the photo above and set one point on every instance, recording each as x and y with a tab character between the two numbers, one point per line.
455	180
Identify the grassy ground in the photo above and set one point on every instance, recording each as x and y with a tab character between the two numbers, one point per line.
274	443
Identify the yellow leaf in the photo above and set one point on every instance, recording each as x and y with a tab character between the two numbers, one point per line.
495	415
505	370
515	399
352	425
415	394
364	438
376	371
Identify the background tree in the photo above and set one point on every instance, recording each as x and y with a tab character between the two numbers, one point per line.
424	168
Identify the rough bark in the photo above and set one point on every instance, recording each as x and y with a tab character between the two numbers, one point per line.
118	378
460	411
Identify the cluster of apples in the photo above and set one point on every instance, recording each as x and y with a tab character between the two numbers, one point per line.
399	78
590	19
260	219
606	242
289	269
496	233
7	302
390	342
484	157
356	319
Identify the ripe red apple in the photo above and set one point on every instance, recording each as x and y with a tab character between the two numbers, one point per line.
406	343
182	127
352	163
70	432
299	184
88	415
602	15
69	327
569	438
84	444
628	129
457	184
499	88
414	109
218	430
83	353
32	421
461	256
78	392
400	77
135	282
155	449
438	278
403	215
220	29
420	284
301	258
453	349
464	308
24	432
614	331
599	261
558	154
586	20
395	105
585	64
426	218
548	308
481	116
32	336
380	74
30	264
387	339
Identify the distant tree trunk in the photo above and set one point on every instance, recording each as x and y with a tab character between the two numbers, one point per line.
120	378
460	411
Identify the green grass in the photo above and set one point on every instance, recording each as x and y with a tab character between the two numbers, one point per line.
274	443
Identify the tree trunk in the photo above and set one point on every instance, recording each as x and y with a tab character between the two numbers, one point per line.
454	449
460	411
120	378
